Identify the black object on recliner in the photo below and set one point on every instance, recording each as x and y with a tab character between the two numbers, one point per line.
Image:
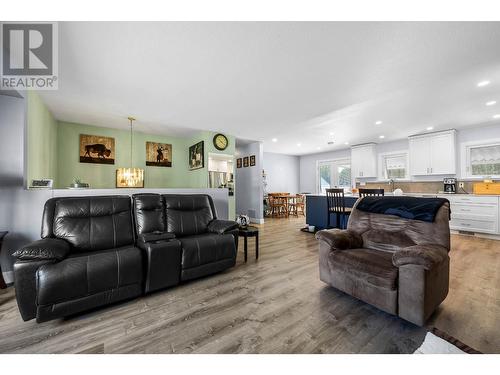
87	258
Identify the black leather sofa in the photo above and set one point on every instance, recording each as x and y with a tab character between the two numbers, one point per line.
99	250
183	234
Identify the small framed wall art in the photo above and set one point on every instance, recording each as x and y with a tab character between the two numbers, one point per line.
197	156
97	149
158	154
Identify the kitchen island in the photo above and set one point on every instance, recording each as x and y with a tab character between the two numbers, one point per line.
317	208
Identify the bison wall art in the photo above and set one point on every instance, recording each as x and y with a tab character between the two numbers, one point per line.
158	154
97	149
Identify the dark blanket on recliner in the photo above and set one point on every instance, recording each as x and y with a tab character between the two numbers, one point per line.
423	209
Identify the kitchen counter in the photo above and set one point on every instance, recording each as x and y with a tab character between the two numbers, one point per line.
317	209
441	194
471	213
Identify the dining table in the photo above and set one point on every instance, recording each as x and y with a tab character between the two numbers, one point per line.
286	200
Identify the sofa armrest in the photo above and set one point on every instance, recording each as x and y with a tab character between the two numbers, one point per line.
156	236
427	256
25	286
222	226
45	249
339	239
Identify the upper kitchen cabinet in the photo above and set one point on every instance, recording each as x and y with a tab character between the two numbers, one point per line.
433	154
364	160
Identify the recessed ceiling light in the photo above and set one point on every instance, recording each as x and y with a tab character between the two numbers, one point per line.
346	143
491	102
274	140
332	133
298	145
483	83
381	136
378	122
430	128
318	148
496	116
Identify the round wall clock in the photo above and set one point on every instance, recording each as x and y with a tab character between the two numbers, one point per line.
220	142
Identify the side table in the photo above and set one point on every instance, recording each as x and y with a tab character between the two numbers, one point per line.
2	281
250	232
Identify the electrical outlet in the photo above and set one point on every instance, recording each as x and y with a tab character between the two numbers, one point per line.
461	185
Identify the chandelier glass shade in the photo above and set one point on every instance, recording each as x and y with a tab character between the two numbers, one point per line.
130	177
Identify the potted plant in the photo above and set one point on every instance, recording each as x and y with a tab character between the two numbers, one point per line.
78	184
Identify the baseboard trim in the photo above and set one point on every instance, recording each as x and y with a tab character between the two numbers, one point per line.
475	234
8	277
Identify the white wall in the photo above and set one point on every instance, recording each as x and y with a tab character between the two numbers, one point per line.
282	172
18	215
249	190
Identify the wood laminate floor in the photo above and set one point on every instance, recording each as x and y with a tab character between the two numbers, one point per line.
274	305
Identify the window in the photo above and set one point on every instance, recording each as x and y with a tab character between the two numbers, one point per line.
483	160
334	174
394	166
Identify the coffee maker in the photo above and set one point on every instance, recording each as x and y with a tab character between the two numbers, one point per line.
450	185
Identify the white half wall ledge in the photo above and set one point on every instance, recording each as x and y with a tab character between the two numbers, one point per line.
219	196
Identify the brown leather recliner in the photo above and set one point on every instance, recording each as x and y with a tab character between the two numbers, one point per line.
399	265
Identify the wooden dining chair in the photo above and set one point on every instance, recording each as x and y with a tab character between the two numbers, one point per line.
371	193
278	205
297	205
336	205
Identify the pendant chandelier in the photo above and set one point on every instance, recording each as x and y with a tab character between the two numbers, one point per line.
130	177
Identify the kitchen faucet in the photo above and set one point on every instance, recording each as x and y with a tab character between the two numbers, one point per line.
391	182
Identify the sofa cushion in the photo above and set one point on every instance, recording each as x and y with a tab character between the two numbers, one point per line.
386	240
371	266
206	248
148	211
94	223
88	273
188	215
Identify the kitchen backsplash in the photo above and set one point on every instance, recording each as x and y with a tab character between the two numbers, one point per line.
416	187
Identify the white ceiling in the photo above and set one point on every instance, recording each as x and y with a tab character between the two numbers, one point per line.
294	81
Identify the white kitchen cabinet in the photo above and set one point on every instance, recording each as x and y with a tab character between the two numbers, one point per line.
474	213
364	161
433	154
419	165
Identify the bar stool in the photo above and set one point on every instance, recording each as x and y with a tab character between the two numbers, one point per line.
336	205
371	193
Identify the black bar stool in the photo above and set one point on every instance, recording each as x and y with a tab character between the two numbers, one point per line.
371	193
336	205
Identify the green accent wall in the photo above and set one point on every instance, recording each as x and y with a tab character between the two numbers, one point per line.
41	152
103	176
53	152
199	177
